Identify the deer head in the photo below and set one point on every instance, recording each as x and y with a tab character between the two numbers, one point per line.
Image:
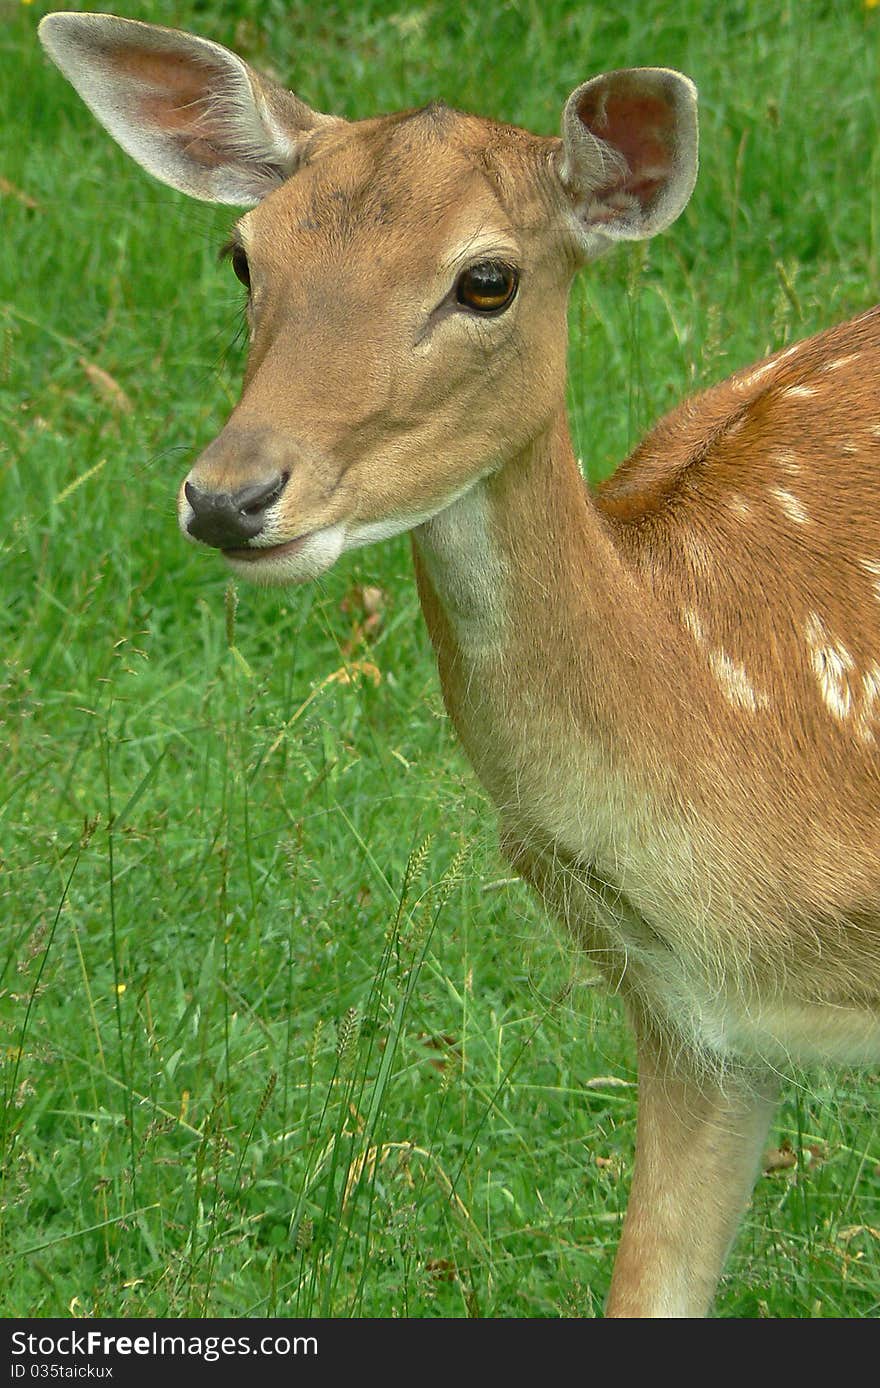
407	276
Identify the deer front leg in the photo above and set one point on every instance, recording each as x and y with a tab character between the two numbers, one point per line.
698	1146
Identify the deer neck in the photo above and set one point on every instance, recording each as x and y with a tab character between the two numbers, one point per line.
546	636
564	676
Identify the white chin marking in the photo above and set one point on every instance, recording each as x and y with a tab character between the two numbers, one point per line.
313	556
370	532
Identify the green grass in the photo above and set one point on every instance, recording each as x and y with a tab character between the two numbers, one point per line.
277	1035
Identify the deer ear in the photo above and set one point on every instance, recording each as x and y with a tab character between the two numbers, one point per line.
190	111
629	154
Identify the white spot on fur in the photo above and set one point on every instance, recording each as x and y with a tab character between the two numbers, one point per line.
800	392
794	509
765	368
832	665
753	377
872	568
739	506
787	460
735	683
694	625
840	362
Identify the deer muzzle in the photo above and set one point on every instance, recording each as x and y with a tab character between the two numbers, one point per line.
229	520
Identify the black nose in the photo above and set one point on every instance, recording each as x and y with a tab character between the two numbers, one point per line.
227	520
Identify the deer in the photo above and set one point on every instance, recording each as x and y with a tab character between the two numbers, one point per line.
668	684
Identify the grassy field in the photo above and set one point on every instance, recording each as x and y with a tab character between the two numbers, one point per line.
278	1036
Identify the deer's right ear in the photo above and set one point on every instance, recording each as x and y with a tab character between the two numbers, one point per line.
190	111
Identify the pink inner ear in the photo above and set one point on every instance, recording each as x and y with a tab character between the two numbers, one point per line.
639	127
176	97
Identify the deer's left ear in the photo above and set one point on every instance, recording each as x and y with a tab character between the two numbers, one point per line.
628	161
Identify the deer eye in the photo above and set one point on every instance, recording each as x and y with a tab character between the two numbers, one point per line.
240	266
489	287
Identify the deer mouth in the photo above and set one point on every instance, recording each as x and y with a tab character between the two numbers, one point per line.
304	557
253	554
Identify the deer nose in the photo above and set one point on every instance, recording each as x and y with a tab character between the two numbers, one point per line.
227	520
